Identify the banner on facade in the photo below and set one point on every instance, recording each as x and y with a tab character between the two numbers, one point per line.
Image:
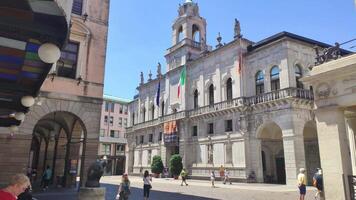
171	133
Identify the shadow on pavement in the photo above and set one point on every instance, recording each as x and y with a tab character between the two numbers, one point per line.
111	192
137	193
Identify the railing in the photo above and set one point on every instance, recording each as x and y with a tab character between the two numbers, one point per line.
218	106
352	185
280	94
173	116
183	42
196	44
234	103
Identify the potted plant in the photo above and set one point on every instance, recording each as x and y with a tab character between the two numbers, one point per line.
156	166
175	165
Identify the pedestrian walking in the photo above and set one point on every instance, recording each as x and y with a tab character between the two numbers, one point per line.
227	176
147	185
318	183
302	182
221	172
184	175
17	185
47	175
212	178
124	188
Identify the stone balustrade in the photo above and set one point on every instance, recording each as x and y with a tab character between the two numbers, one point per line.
240	102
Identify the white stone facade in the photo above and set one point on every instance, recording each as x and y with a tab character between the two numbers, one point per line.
278	121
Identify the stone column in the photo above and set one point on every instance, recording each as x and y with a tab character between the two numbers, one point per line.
334	152
255	160
129	151
351	136
294	156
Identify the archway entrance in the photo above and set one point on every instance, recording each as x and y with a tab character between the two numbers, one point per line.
272	153
311	149
58	142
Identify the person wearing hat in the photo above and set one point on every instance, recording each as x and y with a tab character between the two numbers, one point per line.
302	182
318	183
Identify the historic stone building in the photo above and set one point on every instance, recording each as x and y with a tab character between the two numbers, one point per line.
241	105
62	129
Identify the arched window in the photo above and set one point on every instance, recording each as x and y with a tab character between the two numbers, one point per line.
196	33
229	89
153	111
260	86
298	75
211	95
143	114
180	34
275	78
162	108
195	102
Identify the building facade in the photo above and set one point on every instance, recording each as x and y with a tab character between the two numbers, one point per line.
62	129
335	113
240	105
114	120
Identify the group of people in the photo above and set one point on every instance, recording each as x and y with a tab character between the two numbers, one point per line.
124	191
224	176
317	182
20	183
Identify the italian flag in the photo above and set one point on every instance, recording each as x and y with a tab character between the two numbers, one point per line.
181	80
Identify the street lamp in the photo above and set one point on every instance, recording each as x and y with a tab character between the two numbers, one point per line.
20	116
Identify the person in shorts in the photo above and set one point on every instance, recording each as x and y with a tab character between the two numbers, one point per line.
302	182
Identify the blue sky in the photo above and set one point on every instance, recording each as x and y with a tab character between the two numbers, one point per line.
140	30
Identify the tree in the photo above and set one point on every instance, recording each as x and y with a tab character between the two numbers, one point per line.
175	165
157	165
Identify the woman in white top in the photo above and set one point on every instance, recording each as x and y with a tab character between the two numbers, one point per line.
147	179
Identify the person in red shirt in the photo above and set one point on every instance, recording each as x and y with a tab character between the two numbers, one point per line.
18	184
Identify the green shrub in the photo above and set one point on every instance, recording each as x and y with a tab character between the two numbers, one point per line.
175	165
157	165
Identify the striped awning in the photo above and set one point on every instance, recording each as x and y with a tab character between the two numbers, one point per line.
24	26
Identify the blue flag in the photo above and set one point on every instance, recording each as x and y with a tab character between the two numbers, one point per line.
158	93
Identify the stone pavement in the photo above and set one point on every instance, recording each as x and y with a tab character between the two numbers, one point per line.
169	189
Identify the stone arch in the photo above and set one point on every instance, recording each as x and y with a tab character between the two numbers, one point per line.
272	152
51	127
180	34
196	30
88	114
311	149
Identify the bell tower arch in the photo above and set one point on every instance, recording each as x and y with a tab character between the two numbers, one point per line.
188	36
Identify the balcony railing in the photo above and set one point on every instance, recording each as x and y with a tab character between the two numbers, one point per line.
280	94
218	106
234	103
173	116
184	42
